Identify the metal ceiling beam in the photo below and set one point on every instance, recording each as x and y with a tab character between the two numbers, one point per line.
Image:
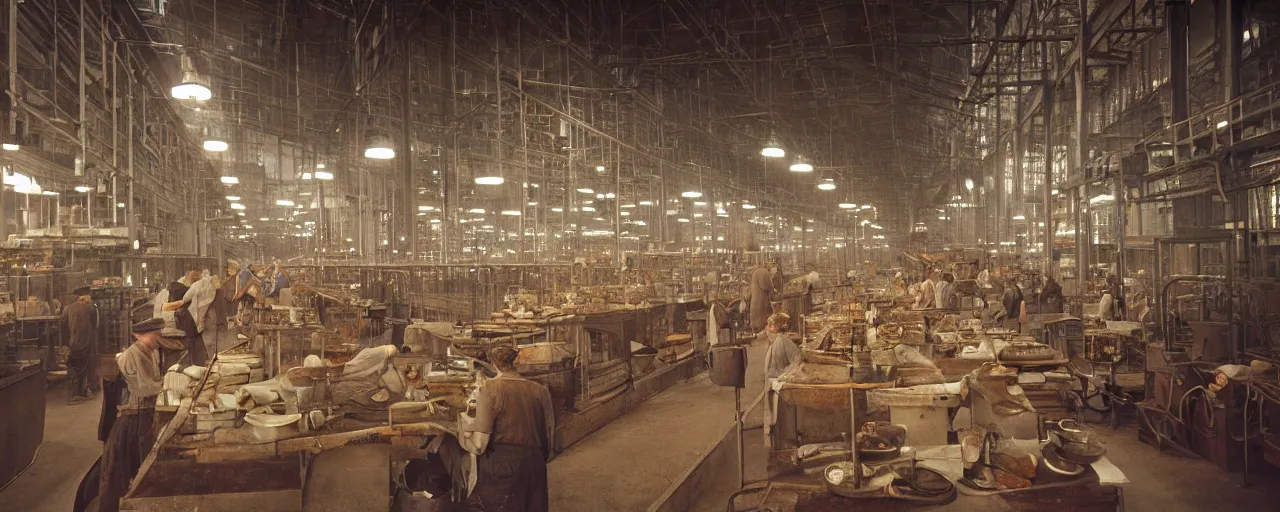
1002	19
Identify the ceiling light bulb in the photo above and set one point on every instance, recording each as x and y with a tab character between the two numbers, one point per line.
380	153
682	219
848	206
193	85
772	148
214	145
378	147
490	180
801	167
191	91
237	206
476	210
748	206
827	184
324	175
512	213
646	203
694	194
229	180
233	198
599	168
586	191
82	189
866	207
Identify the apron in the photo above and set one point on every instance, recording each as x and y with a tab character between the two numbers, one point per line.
511	478
769	384
127	446
112	390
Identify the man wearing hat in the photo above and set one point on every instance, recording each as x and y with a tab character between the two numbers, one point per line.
131	434
80	332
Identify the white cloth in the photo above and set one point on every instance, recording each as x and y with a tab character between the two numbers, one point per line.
941	295
1105	306
157	309
370	361
200	296
928	293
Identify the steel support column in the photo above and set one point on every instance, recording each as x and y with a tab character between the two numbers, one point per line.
11	83
130	214
1177	16
449	106
1083	256
408	205
1047	185
1230	34
998	170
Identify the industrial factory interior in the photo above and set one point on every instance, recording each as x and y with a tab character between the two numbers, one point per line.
640	255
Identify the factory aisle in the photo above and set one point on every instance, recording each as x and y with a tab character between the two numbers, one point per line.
70	447
624	466
629	463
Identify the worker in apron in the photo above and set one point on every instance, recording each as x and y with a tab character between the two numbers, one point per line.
780	357
132	435
512	435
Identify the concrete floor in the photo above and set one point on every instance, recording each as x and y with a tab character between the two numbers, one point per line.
631	462
70	447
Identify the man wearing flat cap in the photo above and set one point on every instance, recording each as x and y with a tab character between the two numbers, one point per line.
80	332
131	434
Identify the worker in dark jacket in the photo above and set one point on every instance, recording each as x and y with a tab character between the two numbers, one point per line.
763	287
1013	302
1052	295
80	331
131	435
512	435
183	319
